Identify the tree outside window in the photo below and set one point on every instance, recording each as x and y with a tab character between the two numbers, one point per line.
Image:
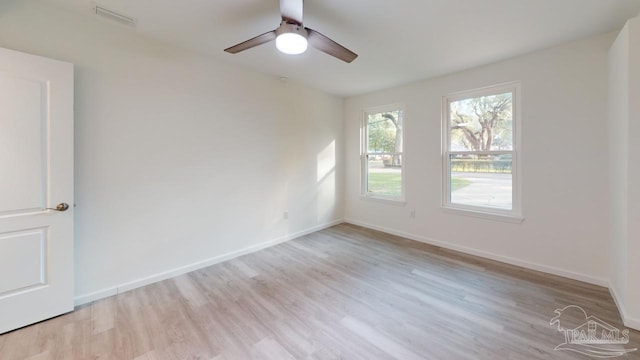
480	151
382	153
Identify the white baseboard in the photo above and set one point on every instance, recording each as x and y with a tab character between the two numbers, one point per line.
488	255
628	321
631	323
87	298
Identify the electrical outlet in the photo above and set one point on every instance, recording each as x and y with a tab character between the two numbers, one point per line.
286	215
413	214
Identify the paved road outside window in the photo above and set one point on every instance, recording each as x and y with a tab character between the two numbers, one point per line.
486	189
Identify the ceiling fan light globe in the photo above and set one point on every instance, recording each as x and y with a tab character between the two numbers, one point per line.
291	43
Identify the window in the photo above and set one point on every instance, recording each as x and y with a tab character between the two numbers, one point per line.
480	143
382	153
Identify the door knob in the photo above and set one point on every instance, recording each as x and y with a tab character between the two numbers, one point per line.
60	207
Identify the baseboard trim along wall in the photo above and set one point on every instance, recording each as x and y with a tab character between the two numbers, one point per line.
628	321
104	293
631	322
487	255
87	298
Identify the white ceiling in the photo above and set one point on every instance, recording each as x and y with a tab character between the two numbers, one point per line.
398	41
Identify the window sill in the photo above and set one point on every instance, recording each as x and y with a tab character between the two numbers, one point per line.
384	200
488	215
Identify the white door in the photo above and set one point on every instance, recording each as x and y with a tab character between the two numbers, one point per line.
36	173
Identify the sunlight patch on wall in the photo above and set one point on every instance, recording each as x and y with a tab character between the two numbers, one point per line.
326	175
327	161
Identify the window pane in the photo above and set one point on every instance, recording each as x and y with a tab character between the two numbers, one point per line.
482	180
483	123
384	131
384	175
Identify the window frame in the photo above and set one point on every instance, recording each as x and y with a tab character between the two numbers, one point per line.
364	154
515	214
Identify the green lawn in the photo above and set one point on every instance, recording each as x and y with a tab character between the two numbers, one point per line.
390	183
385	184
458	183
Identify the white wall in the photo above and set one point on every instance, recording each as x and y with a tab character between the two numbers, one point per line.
564	162
618	162
180	158
633	234
624	140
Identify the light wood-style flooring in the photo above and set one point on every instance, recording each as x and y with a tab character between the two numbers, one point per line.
341	293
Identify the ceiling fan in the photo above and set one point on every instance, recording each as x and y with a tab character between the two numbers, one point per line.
293	38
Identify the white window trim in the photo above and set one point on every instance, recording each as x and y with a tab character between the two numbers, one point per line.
515	214
364	139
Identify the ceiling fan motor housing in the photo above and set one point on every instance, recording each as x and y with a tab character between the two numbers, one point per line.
293	38
285	28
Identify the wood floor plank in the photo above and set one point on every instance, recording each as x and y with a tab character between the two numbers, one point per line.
341	293
269	349
103	315
379	340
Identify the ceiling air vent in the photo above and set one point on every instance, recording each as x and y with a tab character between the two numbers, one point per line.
110	14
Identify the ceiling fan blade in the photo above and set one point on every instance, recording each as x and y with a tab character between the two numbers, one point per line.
330	47
258	40
291	11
